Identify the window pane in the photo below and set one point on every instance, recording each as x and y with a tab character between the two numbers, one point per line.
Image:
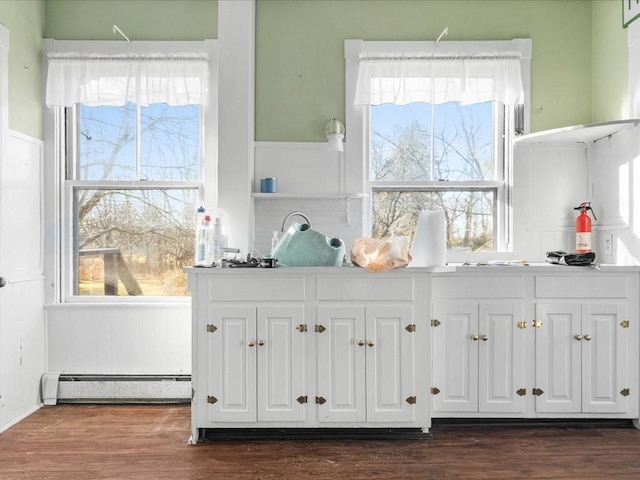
400	142
469	215
463	142
107	143
142	238
170	142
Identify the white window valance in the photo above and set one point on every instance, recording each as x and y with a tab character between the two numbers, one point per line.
436	79
144	79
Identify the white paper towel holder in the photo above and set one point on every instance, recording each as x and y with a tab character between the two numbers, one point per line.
429	248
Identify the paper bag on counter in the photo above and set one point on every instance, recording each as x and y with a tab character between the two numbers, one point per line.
381	254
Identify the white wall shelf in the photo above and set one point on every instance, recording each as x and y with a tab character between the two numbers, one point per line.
588	134
347	197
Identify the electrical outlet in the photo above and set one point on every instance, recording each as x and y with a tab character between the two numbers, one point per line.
608	244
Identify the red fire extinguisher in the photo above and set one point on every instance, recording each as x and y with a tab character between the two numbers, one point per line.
583	228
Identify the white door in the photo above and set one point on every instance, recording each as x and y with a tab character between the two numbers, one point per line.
4	343
22	341
559	357
281	364
391	390
501	378
341	344
455	357
605	350
230	361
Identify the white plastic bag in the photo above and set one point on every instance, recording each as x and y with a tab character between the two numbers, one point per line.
381	254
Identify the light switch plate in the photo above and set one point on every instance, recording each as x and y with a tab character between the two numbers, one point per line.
608	244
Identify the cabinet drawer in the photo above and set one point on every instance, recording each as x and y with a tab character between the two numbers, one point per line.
581	286
256	289
478	287
361	288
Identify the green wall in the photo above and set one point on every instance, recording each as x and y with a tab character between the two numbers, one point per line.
25	21
138	19
610	74
300	53
579	68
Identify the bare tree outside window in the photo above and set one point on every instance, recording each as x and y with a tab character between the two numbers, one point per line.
137	174
435	157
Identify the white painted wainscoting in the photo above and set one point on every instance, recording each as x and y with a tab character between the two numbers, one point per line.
22	346
22	327
126	339
118	353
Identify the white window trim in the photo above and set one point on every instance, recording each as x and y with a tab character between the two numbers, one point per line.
58	226
357	121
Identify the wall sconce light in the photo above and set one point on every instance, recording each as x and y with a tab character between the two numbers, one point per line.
334	130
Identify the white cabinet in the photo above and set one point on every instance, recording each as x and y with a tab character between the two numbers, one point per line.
365	364
341	347
583	357
586	337
478	357
256	359
310	347
545	342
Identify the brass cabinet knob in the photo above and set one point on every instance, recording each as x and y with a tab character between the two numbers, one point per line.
361	343
251	343
371	343
474	337
485	338
578	337
587	337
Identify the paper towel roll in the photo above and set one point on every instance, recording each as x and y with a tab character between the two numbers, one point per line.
429	247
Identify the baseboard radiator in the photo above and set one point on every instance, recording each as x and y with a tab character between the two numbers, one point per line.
83	388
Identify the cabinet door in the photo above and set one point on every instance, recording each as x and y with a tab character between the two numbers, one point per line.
281	363
558	357
455	357
341	364
391	390
501	358
605	358
231	364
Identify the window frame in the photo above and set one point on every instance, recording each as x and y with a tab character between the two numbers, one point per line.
60	268
358	141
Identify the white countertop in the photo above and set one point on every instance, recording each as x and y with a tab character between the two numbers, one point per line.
481	268
542	267
344	270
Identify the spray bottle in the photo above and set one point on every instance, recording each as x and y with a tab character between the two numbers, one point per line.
199	236
203	236
583	228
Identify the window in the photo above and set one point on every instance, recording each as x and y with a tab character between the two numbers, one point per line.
131	129
436	138
437	157
133	176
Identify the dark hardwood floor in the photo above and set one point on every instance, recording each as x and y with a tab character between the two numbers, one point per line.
150	442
